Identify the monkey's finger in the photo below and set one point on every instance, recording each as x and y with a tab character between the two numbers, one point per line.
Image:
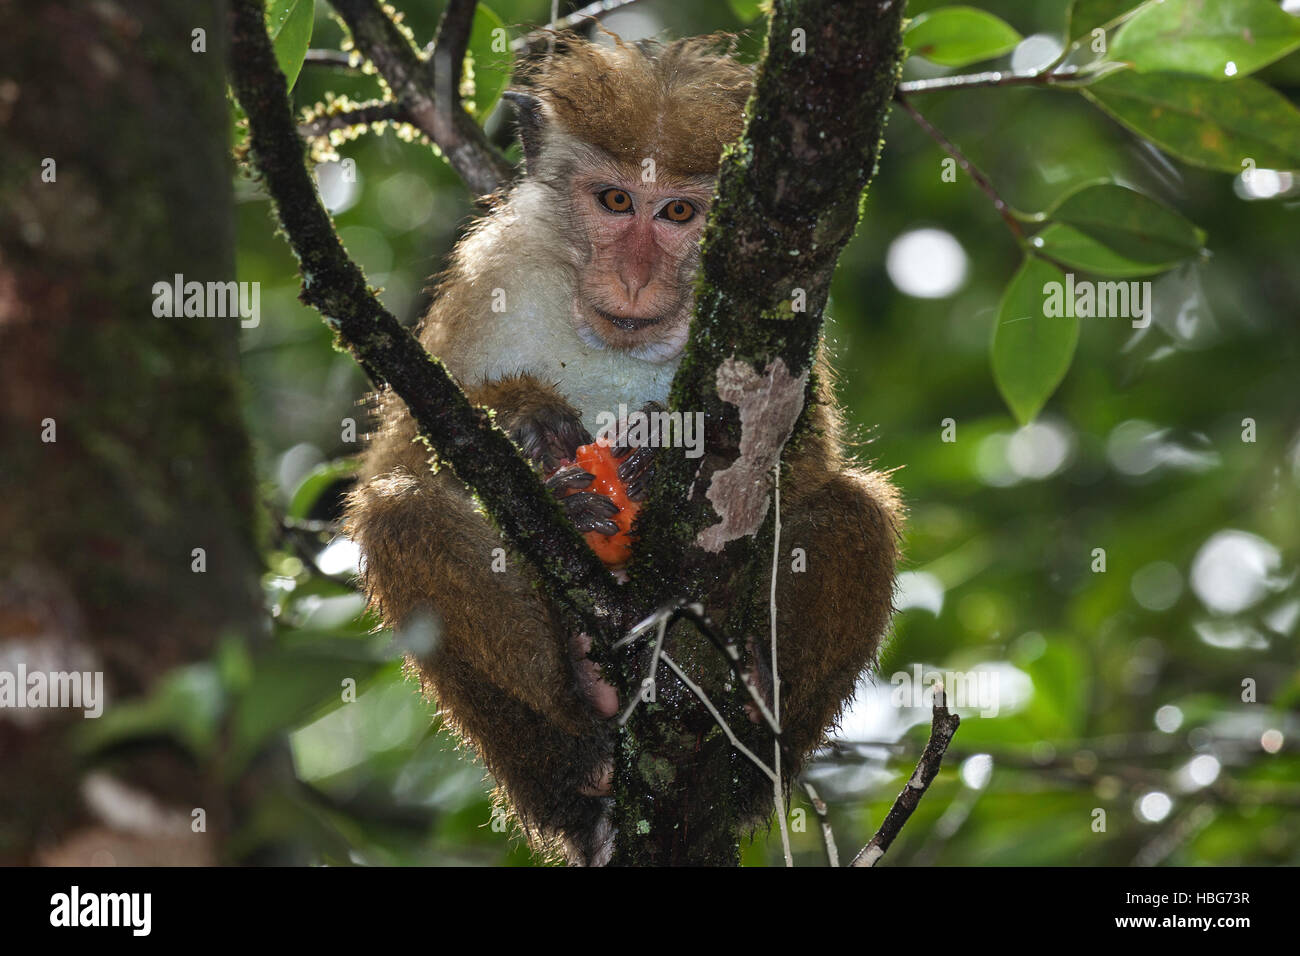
604	526
570	477
588	523
637	461
588	502
636	488
591	512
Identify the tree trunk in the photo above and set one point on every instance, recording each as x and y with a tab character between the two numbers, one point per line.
789	197
124	449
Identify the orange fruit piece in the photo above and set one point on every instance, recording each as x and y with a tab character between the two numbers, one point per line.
615	549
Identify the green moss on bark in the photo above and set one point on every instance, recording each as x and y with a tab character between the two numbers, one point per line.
789	199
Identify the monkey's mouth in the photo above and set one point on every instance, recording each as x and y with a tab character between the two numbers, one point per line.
627	323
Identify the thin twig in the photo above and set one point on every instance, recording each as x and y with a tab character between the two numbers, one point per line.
649	681
971	170
592	11
1050	75
828	836
717	716
992	78
942	727
339	59
375	111
778	798
694	613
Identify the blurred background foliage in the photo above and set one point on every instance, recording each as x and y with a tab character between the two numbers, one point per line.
1118	690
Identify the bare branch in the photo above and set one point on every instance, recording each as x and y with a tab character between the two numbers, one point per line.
942	727
437	113
828	836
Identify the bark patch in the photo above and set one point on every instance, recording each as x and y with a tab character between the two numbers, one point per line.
769	405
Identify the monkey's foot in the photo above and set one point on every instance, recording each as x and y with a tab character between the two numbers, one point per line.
598	692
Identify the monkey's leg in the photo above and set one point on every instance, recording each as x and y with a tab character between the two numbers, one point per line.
543	771
831	616
425	544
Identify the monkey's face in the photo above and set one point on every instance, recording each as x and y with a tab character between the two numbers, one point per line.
635	290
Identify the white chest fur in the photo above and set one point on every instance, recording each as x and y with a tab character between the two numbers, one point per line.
537	337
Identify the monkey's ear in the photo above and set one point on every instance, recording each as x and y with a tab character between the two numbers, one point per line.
530	115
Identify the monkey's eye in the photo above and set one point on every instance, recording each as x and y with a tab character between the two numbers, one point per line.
678	210
615	200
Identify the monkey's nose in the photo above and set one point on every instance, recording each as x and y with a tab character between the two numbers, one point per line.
634	281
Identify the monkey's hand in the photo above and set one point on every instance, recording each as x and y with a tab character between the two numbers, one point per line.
548	433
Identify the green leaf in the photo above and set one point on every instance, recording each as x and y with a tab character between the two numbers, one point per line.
186	705
1068	245
958	36
290	23
1088	15
1212	38
746	10
490	58
289	685
311	487
1202	121
1133	226
1031	352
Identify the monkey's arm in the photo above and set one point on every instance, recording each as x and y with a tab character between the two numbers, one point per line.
425	545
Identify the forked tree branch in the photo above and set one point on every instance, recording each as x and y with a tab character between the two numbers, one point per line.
430	96
788	200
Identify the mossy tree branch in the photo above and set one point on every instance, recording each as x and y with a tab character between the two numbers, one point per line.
788	201
462	434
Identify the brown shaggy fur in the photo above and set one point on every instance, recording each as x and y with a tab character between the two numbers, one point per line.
680	106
